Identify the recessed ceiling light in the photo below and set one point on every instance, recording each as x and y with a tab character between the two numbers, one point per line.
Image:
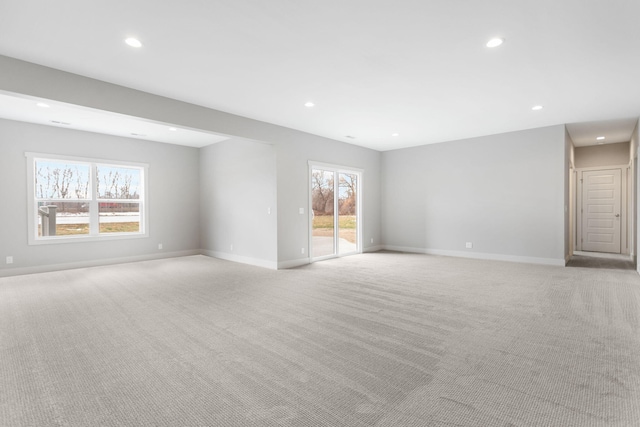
309	104
395	134
495	42
133	42
537	108
173	129
42	105
600	138
350	136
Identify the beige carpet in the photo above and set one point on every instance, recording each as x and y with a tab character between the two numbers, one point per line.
378	339
586	261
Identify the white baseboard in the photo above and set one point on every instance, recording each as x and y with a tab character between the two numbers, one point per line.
93	263
479	255
272	265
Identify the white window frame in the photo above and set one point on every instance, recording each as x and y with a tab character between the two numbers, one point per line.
94	234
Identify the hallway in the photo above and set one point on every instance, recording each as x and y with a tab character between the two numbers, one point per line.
599	260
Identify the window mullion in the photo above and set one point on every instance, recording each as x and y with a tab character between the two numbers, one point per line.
94	215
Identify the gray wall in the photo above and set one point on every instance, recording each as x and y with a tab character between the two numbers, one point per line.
293	193
504	193
240	179
602	155
293	148
173	189
237	191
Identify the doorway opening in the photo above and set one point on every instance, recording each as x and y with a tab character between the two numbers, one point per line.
601	260
602	190
603	226
335	211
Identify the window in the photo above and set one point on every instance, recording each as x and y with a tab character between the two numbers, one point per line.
75	199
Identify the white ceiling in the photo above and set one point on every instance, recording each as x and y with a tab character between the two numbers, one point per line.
53	113
614	131
372	67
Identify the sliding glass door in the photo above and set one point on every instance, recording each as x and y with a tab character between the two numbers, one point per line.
335	210
347	198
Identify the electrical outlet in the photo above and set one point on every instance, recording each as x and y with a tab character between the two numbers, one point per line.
372	240
268	211
9	260
231	247
159	245
469	245
302	251
301	211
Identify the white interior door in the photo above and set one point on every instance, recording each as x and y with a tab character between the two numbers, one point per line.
601	210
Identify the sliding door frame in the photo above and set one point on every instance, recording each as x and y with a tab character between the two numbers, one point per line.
336	169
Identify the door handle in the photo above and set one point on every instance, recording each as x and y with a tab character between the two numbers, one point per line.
617	215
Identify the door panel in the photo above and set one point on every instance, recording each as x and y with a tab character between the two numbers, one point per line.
601	210
347	213
322	207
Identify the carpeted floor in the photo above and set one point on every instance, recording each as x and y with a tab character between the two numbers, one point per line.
586	261
381	339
